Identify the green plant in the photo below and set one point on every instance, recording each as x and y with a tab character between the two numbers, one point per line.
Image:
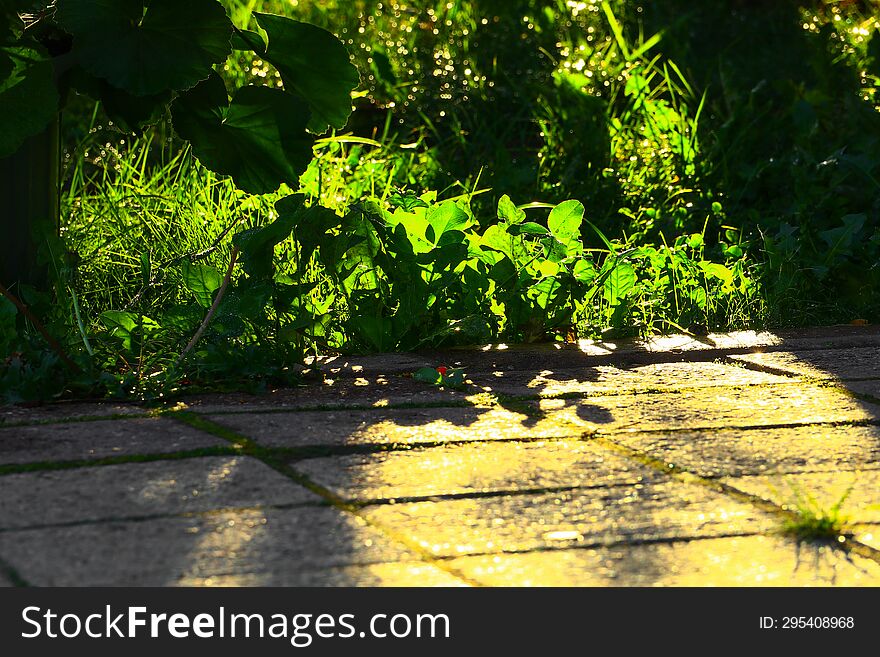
814	520
142	58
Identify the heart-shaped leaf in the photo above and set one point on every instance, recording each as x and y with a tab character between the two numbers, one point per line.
146	47
259	138
28	96
565	222
314	64
202	281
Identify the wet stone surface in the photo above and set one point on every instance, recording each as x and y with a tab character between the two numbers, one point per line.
666	462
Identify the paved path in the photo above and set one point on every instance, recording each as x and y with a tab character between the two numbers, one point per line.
674	462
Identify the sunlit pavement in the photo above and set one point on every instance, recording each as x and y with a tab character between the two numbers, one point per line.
679	461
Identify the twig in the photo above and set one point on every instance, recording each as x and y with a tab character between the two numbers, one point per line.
214	306
53	343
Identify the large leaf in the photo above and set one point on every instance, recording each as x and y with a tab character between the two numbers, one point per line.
28	97
146	47
202	281
565	222
257	245
129	112
314	64
259	138
444	217
508	212
620	281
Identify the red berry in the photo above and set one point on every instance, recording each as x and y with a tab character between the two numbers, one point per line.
442	370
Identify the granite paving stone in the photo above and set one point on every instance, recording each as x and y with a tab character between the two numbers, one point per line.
395	426
506	523
281	544
842	364
473	468
735	561
734	452
143	489
75	441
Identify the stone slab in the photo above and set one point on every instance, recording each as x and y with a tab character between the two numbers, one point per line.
834	364
736	452
610	380
473	468
406	574
858	492
710	408
510	523
408	426
735	561
97	440
143	489
277	545
367	391
65	412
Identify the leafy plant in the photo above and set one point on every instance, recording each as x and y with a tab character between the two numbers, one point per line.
141	57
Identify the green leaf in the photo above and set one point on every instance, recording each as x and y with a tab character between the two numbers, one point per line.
28	97
565	222
619	282
257	245
259	138
202	281
314	64
715	270
527	228
147	47
508	212
129	112
428	375
446	216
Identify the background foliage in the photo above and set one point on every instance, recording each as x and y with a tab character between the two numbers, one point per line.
513	170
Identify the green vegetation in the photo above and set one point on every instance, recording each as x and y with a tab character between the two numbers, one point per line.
513	170
814	521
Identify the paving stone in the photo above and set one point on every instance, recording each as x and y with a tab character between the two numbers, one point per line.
410	573
375	365
65	411
282	545
736	561
735	452
842	364
473	468
868	534
869	388
597	516
395	426
96	440
372	391
143	489
5	582
606	379
710	407
859	490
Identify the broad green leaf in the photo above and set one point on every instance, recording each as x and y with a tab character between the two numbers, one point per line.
202	281
527	228
508	212
146	47
715	270
565	222
428	375
247	40
259	138
446	216
314	64
621	279
28	97
127	111
584	272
